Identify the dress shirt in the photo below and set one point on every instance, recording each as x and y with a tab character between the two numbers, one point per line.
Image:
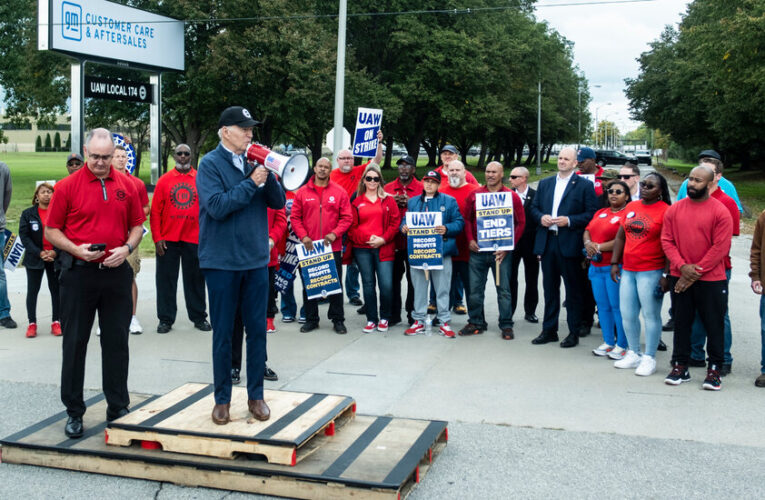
560	187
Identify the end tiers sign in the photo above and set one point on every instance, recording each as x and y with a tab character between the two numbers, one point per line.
120	90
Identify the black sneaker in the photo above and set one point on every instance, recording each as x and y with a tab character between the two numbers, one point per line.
340	328
203	326
309	326
270	375
712	382
235	378
669	326
8	322
471	329
662	346
163	327
355	301
678	375
726	369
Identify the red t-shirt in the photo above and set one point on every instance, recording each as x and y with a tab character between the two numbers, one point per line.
175	208
370	220
89	211
43	212
735	216
642	230
350	181
460	194
603	227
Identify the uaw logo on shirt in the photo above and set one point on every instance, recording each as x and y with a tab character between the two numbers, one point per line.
121	195
182	196
129	149
639	227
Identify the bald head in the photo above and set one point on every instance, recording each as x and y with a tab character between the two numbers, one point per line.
566	161
519	178
494	173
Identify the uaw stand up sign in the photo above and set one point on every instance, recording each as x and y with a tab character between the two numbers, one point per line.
318	270
425	247
494	223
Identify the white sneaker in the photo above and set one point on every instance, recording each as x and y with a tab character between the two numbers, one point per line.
647	366
370	327
135	326
603	349
630	360
617	353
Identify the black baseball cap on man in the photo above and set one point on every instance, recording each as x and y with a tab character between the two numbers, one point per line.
406	159
433	176
450	148
710	153
236	115
74	156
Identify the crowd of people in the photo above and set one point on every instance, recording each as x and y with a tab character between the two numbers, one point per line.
615	240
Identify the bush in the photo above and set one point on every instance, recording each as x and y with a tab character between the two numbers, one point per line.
48	144
38	144
68	145
57	142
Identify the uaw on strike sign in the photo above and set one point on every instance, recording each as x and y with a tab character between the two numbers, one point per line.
494	221
365	139
318	270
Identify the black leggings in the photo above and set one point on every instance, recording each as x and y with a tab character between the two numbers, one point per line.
34	280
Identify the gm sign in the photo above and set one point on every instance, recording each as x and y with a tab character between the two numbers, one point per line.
71	13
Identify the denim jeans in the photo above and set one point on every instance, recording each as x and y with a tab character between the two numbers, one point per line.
699	334
370	267
352	280
636	293
480	264
442	283
288	304
606	294
5	306
762	331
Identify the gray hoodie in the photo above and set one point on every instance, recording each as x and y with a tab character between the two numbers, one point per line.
6	189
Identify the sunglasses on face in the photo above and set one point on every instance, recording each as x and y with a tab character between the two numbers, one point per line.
647	185
516	176
626	176
615	191
75	162
369	178
345	157
183	153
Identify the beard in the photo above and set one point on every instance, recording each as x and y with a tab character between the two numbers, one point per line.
696	194
346	168
183	167
454	182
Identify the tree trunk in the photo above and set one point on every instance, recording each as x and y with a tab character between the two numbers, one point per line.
388	152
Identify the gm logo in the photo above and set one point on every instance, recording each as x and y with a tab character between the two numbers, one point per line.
71	16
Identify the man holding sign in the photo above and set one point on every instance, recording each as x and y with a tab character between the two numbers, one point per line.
423	213
322	212
494	223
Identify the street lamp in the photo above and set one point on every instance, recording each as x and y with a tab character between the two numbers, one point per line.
597	132
579	113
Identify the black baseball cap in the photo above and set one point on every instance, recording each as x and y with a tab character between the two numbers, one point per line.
432	175
74	156
236	115
450	148
710	153
406	159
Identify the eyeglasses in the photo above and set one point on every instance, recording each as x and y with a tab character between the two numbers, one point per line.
516	176
183	153
345	157
74	162
615	191
647	185
369	178
100	157
404	164
626	176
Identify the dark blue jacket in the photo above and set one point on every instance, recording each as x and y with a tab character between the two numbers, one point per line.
451	217
579	204
233	222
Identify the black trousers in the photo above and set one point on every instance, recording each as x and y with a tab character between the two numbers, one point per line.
554	267
180	254
588	299
400	268
710	300
85	291
531	276
238	335
34	280
336	311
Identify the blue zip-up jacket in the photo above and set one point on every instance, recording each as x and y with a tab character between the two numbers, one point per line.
451	217
233	222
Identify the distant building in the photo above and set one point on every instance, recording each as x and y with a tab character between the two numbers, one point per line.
22	138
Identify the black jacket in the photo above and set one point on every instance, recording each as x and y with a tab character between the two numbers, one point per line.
31	234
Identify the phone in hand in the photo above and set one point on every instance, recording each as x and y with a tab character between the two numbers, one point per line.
97	247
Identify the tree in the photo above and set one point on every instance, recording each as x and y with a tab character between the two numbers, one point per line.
38	144
48	145
57	141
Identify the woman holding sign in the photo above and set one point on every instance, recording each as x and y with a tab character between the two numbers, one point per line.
376	219
598	244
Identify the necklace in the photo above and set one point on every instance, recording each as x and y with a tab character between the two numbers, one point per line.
617	211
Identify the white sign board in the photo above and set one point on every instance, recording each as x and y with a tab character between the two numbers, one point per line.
102	30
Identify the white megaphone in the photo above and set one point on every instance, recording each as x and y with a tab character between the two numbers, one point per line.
292	170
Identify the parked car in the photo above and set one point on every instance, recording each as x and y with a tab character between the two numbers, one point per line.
643	156
605	157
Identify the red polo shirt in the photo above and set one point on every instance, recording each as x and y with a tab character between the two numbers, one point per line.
175	208
140	188
88	210
350	181
414	188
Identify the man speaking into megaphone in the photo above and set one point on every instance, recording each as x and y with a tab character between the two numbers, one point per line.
234	254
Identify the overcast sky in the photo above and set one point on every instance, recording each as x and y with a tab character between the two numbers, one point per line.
608	38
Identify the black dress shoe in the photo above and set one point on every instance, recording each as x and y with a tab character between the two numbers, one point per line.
203	325
163	327
531	318
270	375
669	326
8	322
111	416
339	327
362	310
309	326
726	369
545	337
571	341
355	301
584	330
235	377
662	346
73	427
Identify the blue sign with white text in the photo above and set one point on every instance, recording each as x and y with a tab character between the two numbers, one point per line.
367	125
318	269
494	221
425	247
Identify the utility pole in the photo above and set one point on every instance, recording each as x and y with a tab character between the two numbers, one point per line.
539	128
340	80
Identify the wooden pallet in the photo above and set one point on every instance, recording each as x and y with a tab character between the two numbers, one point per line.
373	457
180	422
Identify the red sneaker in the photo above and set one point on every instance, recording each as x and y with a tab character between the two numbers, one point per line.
55	329
32	330
270	328
447	331
416	328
